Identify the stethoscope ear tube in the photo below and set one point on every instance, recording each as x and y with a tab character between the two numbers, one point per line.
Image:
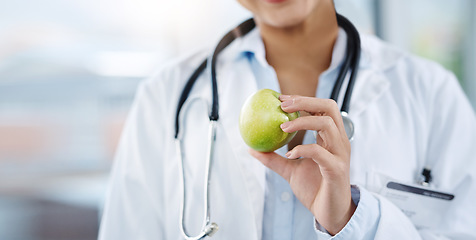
355	51
345	65
243	29
239	31
351	63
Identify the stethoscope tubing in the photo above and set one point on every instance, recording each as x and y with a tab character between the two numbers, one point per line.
208	228
355	52
241	30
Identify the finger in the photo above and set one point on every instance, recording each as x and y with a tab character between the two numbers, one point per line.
320	155
315	106
275	162
325	125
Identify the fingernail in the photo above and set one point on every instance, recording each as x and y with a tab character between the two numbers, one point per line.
286	103
284	97
291	155
285	125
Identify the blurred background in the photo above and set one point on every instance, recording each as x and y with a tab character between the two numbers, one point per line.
69	71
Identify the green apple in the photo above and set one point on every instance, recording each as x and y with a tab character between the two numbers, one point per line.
260	120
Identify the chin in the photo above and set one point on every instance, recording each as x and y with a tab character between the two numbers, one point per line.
290	14
283	22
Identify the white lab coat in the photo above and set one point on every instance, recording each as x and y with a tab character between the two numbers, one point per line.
408	112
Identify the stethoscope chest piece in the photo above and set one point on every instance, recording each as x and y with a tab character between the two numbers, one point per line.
348	126
211	229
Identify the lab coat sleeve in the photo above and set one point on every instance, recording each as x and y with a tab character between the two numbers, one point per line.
133	207
451	152
371	215
366	214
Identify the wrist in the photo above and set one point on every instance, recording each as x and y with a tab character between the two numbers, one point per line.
340	223
335	215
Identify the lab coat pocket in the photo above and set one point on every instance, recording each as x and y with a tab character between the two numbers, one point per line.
424	206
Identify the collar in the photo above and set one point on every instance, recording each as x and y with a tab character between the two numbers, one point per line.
252	45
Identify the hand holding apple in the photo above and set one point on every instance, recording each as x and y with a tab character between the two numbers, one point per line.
318	173
260	120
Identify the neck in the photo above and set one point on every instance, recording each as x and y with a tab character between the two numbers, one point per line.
306	46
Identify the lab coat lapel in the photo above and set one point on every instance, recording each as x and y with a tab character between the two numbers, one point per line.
237	83
369	86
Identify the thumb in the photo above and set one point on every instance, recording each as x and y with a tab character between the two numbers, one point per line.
275	162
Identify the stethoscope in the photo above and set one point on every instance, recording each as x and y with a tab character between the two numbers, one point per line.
350	63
